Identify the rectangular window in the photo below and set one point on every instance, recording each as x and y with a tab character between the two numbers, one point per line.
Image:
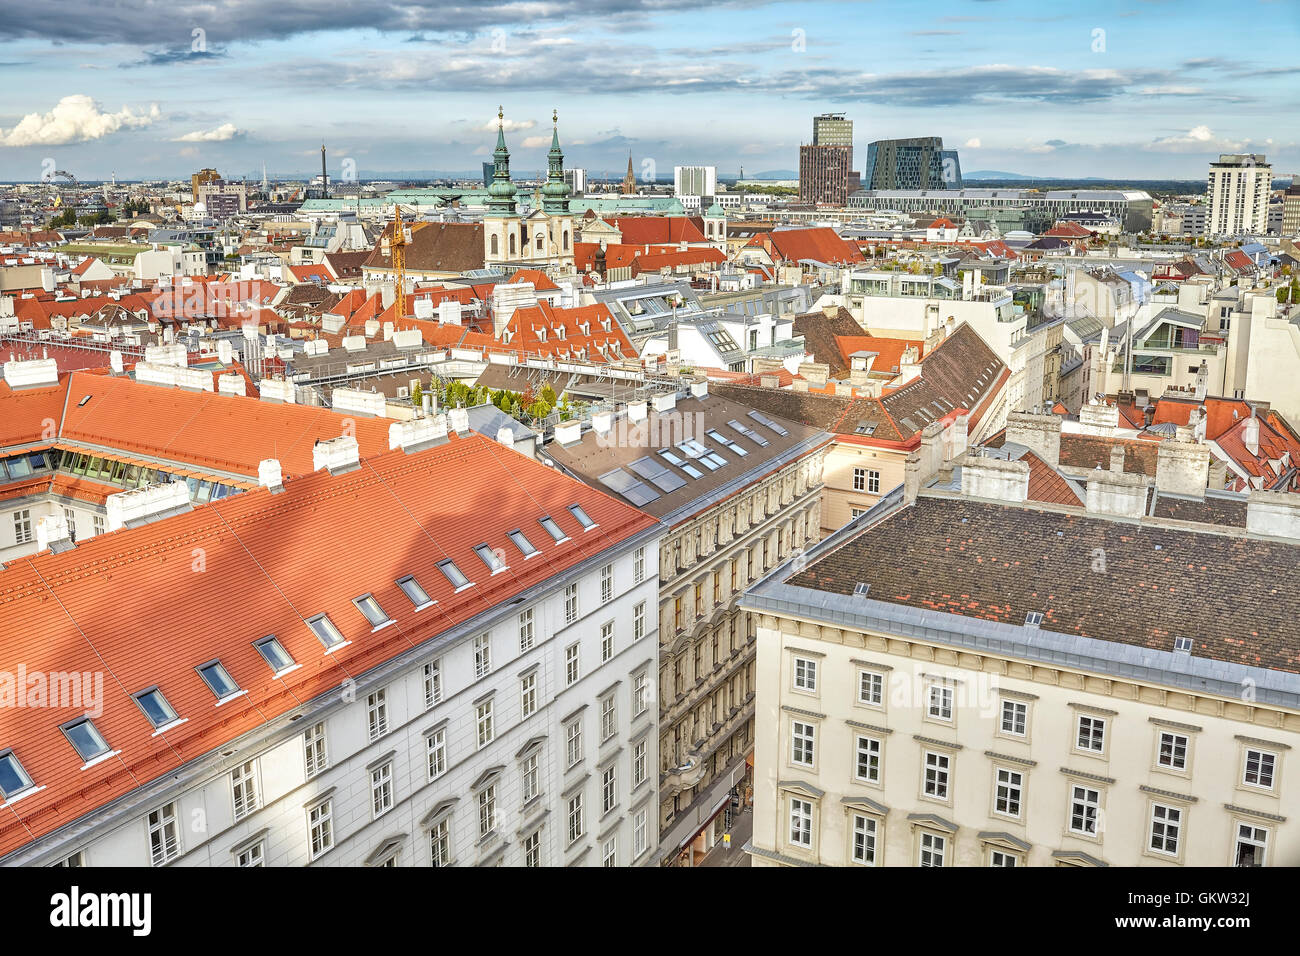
1014	717
638	621
453	574
381	789
533	849
1092	733
801	745
640	694
243	789
1003	858
606	641
940	707
97	523
608	718
164	835
608	789
254	855
417	595
609	855
873	482
1084	806
523	544
1259	768
440	843
13	778
320	825
868	759
638	763
85	739
526	632
313	744
1009	788
218	679
23	526
1173	751
864	840
553	529
325	631
576	829
570	604
639	821
487	810
571	669
528	695
528	774
800	822
436	744
1252	844
371	611
483	723
583	519
482	655
936	775
933	848
432	684
606	584
1166	824
573	743
377	714
638	565
805	674
871	688
155	707
273	652
492	559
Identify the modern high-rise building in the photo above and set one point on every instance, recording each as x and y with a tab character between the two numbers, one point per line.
1291	208
1237	190
576	180
695	180
200	178
919	163
826	166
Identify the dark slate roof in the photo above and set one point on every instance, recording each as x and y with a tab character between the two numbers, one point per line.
1213	509
959	372
1092	451
451	247
819	330
1231	595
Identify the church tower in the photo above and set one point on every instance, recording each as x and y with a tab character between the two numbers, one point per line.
501	226
555	200
629	181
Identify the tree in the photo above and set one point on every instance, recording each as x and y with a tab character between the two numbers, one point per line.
548	394
66	218
417	395
540	409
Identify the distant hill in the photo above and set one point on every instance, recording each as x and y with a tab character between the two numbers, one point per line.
993	174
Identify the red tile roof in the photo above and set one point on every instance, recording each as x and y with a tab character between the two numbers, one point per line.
820	244
639	230
281	555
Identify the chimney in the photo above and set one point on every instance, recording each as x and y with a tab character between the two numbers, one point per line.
232	383
567	433
225	354
506	436
1041	434
449	312
1250	434
52	533
31	373
665	402
274	390
418	434
269	475
602	422
458	421
127	509
995	479
337	455
636	411
958	436
816	373
356	402
1117	459
115	361
1117	494
931	449
799	385
1182	467
911	478
1274	514
1098	419
700	389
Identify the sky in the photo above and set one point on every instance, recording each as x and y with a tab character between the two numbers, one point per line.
1139	89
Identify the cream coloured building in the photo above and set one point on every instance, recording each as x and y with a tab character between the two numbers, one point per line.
960	679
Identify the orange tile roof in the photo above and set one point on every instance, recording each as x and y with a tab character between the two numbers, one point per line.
545	316
540	280
891	350
821	244
639	230
285	558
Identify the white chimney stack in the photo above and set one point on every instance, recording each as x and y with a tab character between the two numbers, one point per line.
50	530
31	373
458	421
418	433
225	353
274	390
506	436
665	403
136	507
1250	434
566	433
270	475
700	389
993	478
602	422
115	361
337	455
636	412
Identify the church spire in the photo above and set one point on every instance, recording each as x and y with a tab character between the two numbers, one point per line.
629	181
556	191
501	192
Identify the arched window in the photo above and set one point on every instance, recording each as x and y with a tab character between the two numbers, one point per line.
566	240
541	236
496	246
512	243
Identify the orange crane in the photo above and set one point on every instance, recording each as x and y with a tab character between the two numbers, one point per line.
397	243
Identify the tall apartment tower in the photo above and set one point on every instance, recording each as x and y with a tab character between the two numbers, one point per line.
826	165
1237	191
917	163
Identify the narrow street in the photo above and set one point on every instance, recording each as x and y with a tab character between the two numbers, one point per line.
741	830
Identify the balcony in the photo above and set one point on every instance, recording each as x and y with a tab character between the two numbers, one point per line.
688	775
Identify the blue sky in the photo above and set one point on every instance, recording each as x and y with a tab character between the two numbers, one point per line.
1123	89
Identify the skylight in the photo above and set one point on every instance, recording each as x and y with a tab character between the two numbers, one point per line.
453	574
85	739
494	562
324	629
155	707
583	519
412	589
637	492
553	529
13	778
368	606
861	588
274	654
764	420
657	474
1033	618
680	463
522	543
218	679
749	433
723	440
1182	644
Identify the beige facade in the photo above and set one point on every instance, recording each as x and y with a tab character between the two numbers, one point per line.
857	476
707	645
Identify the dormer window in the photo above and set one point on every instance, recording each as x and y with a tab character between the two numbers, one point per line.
454	574
274	654
218	679
326	630
155	707
373	613
489	557
13	778
553	529
417	594
582	516
85	739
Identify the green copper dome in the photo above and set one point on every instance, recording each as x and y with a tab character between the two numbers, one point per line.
555	194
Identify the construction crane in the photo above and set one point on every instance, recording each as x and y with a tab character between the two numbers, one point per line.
398	242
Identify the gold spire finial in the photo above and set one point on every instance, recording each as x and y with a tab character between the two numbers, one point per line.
501	115
555	118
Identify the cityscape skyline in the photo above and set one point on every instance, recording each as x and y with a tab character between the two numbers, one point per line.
113	91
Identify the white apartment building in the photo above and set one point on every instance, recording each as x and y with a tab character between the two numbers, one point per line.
695	181
1238	190
1012	701
472	688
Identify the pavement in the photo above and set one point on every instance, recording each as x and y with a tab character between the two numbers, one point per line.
742	828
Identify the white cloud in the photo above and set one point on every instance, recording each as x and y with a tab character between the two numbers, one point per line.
972	144
220	134
75	119
1198	139
190	151
511	126
534	142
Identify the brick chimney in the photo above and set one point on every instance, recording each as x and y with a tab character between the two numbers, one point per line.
1098	419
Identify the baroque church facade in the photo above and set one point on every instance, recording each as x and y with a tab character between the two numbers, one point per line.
542	239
